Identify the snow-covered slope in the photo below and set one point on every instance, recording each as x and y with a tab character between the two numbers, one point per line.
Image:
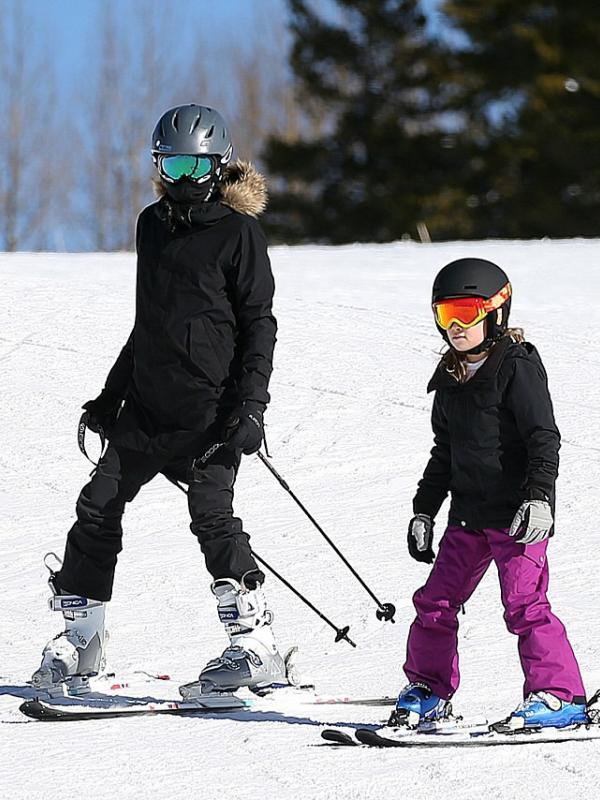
349	429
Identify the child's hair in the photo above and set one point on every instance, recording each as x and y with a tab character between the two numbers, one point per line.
456	363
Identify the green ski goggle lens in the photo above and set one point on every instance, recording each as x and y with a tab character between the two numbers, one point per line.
175	167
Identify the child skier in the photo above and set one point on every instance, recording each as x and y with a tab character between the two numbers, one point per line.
496	451
194	372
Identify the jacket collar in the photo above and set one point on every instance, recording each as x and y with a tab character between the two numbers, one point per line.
442	379
183	216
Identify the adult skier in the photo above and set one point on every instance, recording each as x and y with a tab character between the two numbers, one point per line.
496	451
194	372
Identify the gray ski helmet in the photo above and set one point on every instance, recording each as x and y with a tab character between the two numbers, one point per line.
192	130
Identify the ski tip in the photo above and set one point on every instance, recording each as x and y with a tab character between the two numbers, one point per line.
367	736
33	709
336	736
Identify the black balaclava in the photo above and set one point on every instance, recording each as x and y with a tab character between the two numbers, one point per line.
188	192
186	199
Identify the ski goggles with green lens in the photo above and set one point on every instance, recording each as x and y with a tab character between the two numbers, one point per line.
173	168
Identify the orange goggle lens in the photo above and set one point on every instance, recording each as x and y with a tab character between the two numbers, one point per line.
468	311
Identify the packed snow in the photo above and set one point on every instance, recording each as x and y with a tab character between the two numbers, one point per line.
348	428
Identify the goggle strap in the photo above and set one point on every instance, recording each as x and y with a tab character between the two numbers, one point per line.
498	300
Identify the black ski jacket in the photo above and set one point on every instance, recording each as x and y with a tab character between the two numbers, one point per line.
495	439
204	332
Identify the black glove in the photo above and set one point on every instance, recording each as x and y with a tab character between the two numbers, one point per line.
243	429
420	538
102	412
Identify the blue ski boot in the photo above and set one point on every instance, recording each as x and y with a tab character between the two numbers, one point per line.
543	710
416	703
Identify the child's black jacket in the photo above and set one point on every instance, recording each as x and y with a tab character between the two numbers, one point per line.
495	439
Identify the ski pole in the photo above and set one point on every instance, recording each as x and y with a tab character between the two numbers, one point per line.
341	633
385	611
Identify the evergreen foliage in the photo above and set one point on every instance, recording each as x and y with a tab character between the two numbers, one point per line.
367	80
490	130
539	63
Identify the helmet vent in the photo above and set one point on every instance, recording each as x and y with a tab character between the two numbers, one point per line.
194	124
192	129
471	286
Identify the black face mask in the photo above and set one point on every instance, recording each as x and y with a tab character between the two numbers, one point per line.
189	192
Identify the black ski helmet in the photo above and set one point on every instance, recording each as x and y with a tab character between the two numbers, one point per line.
192	130
474	277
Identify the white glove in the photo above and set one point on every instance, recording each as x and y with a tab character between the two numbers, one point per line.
533	522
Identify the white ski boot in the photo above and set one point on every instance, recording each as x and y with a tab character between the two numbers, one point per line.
77	654
252	658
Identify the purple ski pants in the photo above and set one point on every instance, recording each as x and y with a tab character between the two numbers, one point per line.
464	555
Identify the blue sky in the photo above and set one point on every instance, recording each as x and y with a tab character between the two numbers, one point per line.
66	33
68	25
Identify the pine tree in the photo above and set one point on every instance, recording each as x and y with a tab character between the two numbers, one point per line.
380	160
527	81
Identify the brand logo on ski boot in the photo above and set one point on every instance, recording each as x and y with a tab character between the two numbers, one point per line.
226	614
73	602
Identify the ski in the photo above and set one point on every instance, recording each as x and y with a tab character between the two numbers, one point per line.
344	700
476	738
304	694
54	712
114	696
448	727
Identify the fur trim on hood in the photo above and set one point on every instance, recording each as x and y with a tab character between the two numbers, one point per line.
242	188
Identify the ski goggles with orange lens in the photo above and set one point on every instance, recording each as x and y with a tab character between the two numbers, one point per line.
468	311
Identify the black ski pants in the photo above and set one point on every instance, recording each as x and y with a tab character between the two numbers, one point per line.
95	540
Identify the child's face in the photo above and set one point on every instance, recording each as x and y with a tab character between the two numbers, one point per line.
463	339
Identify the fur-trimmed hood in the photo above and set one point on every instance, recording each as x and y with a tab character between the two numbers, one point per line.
242	188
